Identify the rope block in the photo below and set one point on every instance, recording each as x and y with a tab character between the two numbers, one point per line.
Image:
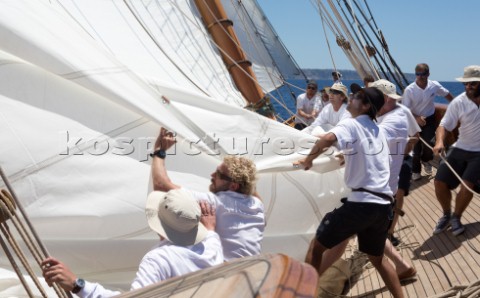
9	203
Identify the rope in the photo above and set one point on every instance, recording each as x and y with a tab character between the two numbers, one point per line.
221	50
8	205
451	168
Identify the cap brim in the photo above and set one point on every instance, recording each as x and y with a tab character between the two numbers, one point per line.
464	80
394	96
191	237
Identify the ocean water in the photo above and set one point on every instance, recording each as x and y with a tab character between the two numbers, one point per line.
285	96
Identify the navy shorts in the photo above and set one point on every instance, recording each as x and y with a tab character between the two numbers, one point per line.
369	221
405	175
465	163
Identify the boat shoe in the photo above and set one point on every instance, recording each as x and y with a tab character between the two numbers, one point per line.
443	224
407	274
457	227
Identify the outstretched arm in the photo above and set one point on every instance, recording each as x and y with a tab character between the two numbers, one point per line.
320	146
160	178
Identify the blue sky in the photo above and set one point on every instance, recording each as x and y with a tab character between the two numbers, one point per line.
441	33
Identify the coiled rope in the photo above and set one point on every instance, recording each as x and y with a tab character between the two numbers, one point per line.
8	213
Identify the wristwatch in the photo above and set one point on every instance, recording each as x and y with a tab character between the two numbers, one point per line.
78	285
159	153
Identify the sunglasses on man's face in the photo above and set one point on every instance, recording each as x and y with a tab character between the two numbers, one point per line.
422	74
335	92
222	176
312	88
473	84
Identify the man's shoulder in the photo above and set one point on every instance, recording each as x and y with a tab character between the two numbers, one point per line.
234	199
302	96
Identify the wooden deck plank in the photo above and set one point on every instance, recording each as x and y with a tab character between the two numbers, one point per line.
442	260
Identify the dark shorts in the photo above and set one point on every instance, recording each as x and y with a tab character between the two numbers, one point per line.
369	221
405	175
465	163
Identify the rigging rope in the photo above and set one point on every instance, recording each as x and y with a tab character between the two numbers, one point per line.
8	205
451	169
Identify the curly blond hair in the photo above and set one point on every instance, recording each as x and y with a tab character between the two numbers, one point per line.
242	171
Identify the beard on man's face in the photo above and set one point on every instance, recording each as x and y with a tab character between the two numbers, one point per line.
475	93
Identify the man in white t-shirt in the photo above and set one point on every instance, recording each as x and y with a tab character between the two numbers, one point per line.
331	114
307	106
463	156
240	212
402	133
419	97
367	212
188	243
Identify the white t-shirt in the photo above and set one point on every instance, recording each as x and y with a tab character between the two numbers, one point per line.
465	111
413	127
240	222
328	118
367	160
165	261
395	127
307	106
421	101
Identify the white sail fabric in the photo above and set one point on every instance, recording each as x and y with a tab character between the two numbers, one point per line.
164	40
78	119
271	61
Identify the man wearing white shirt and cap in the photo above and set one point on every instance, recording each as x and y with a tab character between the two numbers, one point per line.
188	243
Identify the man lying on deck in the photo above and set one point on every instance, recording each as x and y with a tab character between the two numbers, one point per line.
187	243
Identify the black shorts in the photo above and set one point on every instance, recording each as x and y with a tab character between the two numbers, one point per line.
369	221
405	175
465	163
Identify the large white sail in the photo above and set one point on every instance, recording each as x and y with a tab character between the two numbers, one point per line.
79	115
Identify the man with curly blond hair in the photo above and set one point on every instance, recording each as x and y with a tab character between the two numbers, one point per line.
240	212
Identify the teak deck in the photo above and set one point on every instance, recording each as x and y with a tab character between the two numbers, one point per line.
442	261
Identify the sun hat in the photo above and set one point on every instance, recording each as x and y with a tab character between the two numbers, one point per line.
175	215
340	87
387	87
470	74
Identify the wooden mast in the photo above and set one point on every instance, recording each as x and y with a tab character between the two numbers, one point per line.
240	68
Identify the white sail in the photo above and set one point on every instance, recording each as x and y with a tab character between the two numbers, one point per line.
79	115
272	63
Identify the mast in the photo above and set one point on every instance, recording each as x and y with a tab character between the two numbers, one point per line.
235	59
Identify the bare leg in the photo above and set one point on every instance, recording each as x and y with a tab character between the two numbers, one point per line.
308	257
388	275
444	195
316	256
463	198
332	255
398	204
400	264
